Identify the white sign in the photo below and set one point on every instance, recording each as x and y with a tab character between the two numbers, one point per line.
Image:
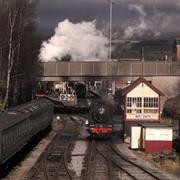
66	97
144	116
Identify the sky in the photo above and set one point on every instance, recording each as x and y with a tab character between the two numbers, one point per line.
132	19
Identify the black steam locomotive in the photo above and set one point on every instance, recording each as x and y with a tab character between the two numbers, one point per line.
101	119
19	124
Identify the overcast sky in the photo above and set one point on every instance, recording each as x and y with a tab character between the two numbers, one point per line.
131	18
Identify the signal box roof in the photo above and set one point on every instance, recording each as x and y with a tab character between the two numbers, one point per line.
137	82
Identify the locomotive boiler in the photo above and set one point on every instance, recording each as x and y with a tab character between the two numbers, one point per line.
101	119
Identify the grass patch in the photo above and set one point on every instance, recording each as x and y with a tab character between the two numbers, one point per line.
166	164
169	165
167	121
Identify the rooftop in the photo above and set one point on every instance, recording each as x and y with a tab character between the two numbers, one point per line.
149	125
137	82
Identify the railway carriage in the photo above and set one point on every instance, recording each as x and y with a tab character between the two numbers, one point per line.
18	125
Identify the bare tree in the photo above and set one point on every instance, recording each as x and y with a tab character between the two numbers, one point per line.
12	17
18	25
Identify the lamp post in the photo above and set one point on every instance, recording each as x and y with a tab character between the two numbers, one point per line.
142	61
110	27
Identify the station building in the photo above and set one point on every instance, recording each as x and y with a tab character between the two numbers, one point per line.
141	103
152	137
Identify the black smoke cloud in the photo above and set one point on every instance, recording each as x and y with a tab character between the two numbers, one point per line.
132	19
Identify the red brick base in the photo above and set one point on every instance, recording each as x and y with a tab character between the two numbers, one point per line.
158	146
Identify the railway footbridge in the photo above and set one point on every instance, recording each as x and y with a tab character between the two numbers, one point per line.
165	75
103	70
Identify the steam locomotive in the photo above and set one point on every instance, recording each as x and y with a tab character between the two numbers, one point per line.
101	119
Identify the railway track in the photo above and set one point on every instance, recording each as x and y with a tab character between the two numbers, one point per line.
133	170
52	164
115	165
103	160
138	170
97	167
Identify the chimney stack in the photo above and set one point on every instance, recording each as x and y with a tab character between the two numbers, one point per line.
178	49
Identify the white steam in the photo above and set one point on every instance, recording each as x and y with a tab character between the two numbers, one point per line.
81	41
144	23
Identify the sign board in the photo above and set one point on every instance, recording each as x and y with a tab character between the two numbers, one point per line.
66	97
144	116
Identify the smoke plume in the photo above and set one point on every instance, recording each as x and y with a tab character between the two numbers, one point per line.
145	24
80	41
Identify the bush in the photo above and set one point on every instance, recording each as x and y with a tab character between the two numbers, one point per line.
172	108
